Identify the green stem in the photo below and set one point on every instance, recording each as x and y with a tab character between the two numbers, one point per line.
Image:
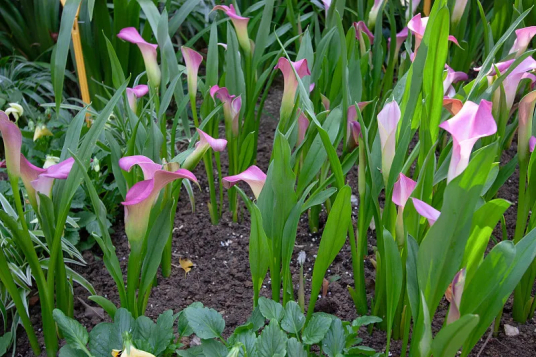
133	276
11	287
213	205
359	276
521	207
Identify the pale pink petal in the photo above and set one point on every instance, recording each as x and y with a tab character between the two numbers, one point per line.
361	27
459	8
12	138
417	26
253	176
240	23
425	210
148	51
215	144
452	77
148	166
388	119
192	60
362	105
303	124
140	90
400	38
457	291
42	185
311	87
59	171
532	143
524	36
526	111
402	190
470	124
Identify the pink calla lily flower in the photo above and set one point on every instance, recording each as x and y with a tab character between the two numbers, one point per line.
411	10
459	9
38	180
473	121
141	198
402	189
327	5
148	166
231	106
133	94
148	51
353	129
425	210
526	111
451	78
290	83
253	176
455	297
388	119
524	36
511	82
240	24
303	124
400	38
3	164
532	143
360	29
417	26
205	142
193	60
453	105
12	144
373	14
325	101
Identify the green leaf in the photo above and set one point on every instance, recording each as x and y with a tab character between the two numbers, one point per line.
206	323
270	309
451	337
5	342
334	342
213	348
366	320
316	329
104	338
272	341
74	333
294	319
249	340
295	348
393	278
124	321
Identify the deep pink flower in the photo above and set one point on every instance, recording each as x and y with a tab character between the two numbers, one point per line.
524	36
231	106
205	142
451	78
526	111
400	38
253	176
473	121
361	28
532	143
12	144
417	25
425	210
353	129
148	51
240	24
133	94
402	190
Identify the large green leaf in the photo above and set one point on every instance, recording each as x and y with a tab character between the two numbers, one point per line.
451	337
272	341
206	323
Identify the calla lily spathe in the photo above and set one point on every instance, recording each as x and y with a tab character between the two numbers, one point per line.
425	210
400	38
290	83
473	121
303	124
402	190
12	144
526	111
205	142
240	24
523	38
360	29
411	10
353	129
253	176
417	26
455	296
457	12
532	143
192	60
133	94
148	51
231	106
373	14
451	78
388	119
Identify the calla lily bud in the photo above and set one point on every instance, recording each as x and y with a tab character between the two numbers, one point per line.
133	94
532	143
12	138
193	60
524	36
403	188
325	101
141	198
526	111
290	84
327	5
353	129
388	120
451	78
373	14
303	124
253	176
41	130
425	210
362	29
454	296
231	107
417	26
148	51
473	121
240	24
459	9
205	142
16	110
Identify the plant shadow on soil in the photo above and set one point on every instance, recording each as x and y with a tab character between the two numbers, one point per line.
220	278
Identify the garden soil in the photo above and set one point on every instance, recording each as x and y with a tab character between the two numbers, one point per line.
220	277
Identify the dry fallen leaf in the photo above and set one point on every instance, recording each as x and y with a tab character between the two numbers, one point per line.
325	286
186	265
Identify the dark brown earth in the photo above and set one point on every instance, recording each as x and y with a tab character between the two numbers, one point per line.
220	278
